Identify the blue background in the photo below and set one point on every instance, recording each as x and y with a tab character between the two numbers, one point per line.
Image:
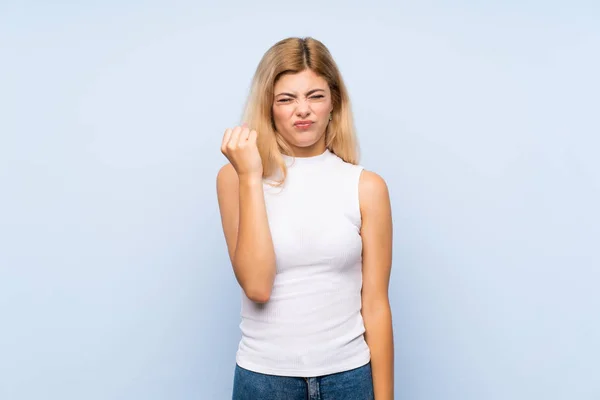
482	117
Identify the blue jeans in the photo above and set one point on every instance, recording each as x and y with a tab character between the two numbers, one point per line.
356	384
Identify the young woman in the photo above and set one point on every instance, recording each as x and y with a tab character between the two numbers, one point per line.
309	235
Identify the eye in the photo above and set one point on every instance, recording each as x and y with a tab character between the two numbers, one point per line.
284	100
319	96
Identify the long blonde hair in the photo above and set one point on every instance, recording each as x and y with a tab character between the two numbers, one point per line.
293	55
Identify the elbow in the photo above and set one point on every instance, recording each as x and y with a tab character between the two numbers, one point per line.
258	290
376	308
260	296
258	284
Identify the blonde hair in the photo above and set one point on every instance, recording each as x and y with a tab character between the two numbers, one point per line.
293	55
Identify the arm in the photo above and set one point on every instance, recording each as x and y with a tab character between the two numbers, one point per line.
376	232
247	233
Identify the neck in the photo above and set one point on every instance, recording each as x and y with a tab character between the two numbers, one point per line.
313	150
307	160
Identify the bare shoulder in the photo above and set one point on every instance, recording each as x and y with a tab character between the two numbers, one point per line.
227	189
227	196
227	178
373	191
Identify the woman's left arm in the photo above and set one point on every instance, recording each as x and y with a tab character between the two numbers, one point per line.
376	232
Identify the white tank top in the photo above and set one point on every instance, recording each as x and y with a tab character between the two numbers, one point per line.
312	324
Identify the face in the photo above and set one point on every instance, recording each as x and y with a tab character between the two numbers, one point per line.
301	109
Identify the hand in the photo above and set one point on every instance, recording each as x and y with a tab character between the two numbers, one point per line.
239	146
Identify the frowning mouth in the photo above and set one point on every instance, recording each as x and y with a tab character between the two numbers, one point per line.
303	124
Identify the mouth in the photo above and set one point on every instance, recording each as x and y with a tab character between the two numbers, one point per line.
303	124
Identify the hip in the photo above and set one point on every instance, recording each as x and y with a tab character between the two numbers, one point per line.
353	384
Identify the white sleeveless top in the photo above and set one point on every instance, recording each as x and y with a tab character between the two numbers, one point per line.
312	323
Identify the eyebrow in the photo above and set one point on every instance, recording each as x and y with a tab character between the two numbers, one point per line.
307	93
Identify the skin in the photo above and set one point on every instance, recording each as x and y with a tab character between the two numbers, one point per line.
306	96
376	233
302	96
244	216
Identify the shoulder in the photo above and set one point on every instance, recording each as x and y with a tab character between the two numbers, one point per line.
226	177
372	182
227	172
373	191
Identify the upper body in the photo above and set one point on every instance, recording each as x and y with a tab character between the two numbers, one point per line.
312	254
311	325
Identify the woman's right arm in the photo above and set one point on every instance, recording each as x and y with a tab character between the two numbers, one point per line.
244	217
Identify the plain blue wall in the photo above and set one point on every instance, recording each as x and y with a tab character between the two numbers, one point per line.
483	119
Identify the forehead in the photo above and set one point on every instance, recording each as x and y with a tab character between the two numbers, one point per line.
301	82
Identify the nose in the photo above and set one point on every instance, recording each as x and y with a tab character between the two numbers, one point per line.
303	108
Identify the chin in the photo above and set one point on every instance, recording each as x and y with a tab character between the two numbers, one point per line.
304	143
304	140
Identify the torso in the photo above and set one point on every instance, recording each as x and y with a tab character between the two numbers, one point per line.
312	323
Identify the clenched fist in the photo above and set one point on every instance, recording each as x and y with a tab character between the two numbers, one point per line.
239	146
